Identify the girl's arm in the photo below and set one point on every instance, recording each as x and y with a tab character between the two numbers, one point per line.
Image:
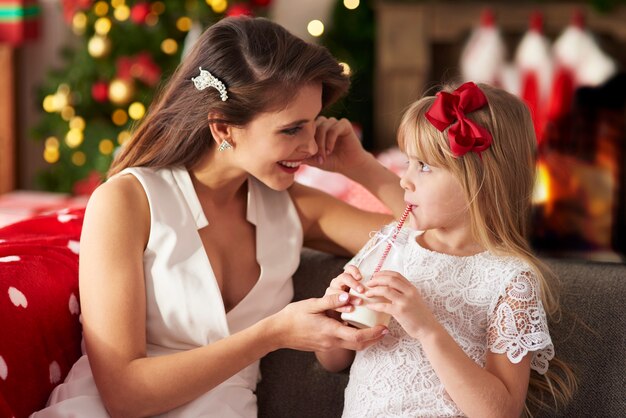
498	390
112	289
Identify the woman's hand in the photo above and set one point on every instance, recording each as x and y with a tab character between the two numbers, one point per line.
349	279
405	302
305	326
339	148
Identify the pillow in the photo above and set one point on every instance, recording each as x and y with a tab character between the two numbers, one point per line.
40	332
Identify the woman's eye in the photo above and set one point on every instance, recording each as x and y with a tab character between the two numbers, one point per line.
292	131
424	167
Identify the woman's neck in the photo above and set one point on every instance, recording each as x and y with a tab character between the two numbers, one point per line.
217	180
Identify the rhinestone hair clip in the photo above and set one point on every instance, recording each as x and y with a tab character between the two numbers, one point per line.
206	79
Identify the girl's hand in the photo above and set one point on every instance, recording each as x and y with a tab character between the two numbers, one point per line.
339	148
405	302
349	279
304	326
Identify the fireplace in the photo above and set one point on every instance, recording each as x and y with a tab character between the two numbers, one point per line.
580	200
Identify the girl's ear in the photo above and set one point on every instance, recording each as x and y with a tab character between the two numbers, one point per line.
220	131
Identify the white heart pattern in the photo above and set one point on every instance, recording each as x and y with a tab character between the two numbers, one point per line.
74	246
55	372
10	259
64	218
74	306
17	297
4	370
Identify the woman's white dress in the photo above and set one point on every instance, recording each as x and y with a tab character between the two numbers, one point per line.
185	309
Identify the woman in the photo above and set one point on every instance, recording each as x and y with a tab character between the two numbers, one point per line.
188	250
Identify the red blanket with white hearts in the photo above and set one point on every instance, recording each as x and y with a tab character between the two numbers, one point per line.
40	332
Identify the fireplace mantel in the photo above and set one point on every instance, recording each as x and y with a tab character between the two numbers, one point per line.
406	33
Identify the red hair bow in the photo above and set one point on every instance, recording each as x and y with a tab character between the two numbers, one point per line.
449	110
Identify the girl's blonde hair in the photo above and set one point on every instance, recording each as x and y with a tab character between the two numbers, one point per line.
498	185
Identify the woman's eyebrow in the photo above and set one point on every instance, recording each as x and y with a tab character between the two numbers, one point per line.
290	124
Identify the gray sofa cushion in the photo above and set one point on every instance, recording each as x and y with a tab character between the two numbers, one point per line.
590	336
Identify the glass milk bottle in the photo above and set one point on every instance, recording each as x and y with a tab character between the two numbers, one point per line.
367	261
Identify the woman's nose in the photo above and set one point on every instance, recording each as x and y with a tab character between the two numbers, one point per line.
310	144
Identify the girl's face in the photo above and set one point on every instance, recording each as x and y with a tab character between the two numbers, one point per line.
274	144
438	198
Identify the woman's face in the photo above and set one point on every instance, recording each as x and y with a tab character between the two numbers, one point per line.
274	144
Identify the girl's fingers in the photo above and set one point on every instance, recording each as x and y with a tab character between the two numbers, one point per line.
354	271
391	279
383	291
381	307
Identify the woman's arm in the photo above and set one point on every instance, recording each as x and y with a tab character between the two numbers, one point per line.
112	289
332	225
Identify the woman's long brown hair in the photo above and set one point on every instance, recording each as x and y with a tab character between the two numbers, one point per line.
262	66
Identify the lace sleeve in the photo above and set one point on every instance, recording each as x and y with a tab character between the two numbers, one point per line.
518	324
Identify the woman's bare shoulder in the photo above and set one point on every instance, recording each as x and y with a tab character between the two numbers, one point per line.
119	205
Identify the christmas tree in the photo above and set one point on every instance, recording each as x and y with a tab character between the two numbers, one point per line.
350	39
124	51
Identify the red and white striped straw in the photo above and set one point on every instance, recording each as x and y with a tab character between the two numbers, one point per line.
405	214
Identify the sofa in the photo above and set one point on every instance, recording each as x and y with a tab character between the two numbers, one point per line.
591	336
40	330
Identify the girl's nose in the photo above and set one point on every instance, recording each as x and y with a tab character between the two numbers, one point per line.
406	184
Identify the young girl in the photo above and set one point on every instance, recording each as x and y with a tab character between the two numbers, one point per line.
188	250
469	309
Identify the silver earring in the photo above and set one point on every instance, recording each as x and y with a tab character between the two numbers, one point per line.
224	146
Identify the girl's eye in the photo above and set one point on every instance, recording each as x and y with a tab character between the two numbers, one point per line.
424	167
292	131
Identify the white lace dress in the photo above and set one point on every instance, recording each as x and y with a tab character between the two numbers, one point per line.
486	302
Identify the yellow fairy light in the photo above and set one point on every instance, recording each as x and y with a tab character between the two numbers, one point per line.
63	89
136	110
52	142
101	8
210	2
315	28
119	117
74	138
49	104
122	12
79	23
106	146
102	26
152	19
120	91
351	4
51	155
67	113
77	123
169	46
99	46
346	68
122	137
79	158
117	3
157	7
183	24
219	6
